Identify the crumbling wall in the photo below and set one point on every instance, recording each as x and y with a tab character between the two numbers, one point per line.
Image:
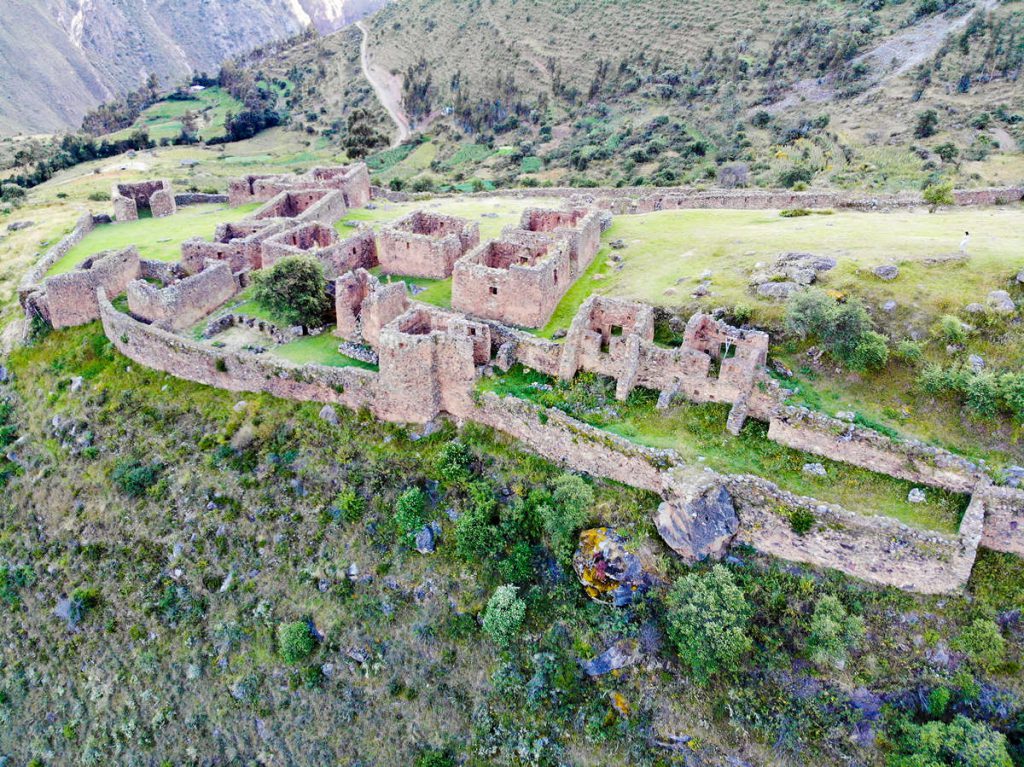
239	371
1004	518
157	196
876	549
812	432
518	283
364	305
70	299
573	444
425	244
255	188
32	281
322	243
579	228
428	360
304	205
352	180
183	303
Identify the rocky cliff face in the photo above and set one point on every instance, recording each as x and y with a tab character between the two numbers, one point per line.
58	58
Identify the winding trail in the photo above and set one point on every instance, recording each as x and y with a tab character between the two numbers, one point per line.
891	58
387	86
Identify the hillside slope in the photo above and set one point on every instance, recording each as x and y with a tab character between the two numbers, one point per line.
669	93
61	57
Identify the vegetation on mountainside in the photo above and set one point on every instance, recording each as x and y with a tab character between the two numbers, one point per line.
264	578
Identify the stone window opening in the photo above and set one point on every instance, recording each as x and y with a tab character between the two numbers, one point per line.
494	290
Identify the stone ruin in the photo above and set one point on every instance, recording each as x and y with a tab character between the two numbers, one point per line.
352	181
425	244
431	359
156	196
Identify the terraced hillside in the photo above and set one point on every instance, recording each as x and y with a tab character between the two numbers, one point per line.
668	93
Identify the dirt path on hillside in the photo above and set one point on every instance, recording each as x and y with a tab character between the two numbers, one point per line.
387	86
891	58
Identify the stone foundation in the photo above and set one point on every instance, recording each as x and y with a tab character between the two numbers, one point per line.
183	304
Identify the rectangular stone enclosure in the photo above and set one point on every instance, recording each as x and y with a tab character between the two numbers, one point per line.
156	196
425	244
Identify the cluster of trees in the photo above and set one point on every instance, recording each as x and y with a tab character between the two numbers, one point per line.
986	393
121	112
844	328
70	150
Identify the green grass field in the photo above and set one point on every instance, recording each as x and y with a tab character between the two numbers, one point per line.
158	239
698	434
318	350
164	119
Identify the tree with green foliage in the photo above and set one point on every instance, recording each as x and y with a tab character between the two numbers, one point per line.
940	193
433	757
504	615
947	152
707	615
845	328
410	512
294	291
962	742
571	501
983	643
927	124
833	633
295	642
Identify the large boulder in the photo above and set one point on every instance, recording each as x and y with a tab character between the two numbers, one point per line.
625	652
608	571
698	519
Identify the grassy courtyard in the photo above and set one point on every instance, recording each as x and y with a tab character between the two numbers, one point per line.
318	350
158	239
698	434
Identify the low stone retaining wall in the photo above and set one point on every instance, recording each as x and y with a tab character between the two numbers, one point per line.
35	276
1004	519
812	432
199	198
874	548
877	549
235	371
566	441
647	199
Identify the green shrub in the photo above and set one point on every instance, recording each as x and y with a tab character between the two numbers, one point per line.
410	511
571	502
927	124
134	477
959	743
85	598
845	329
951	330
909	351
435	758
454	462
294	291
938	701
295	641
833	633
982	643
938	194
801	521
794	212
350	505
504	615
707	622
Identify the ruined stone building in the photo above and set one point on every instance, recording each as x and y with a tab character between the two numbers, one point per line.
425	244
156	196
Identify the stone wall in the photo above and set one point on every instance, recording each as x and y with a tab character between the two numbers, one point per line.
33	279
199	198
578	227
425	244
324	206
519	283
629	200
364	305
877	549
322	243
157	196
238	371
816	433
70	299
352	180
573	444
428	361
240	244
183	304
1004	518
